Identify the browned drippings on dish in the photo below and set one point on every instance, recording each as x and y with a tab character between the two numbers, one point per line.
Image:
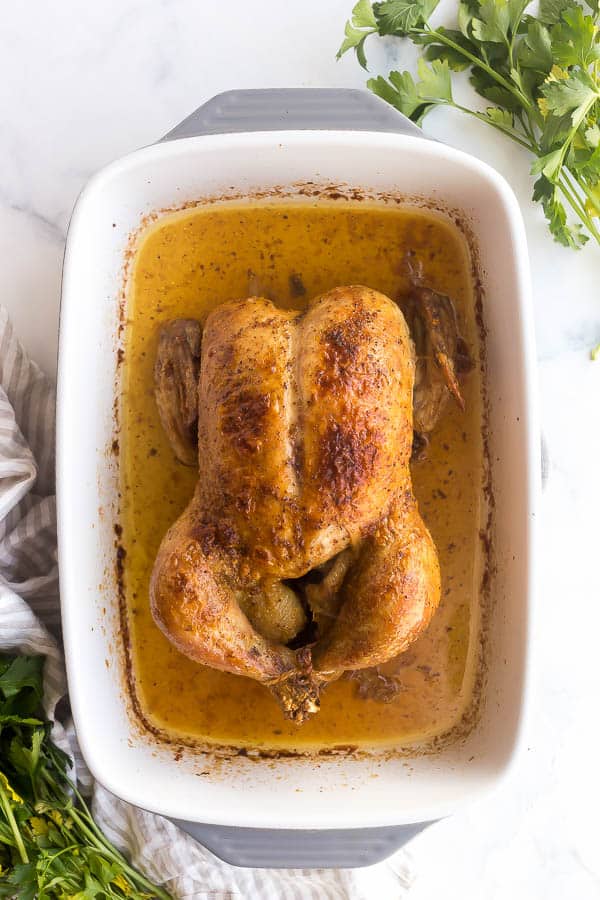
186	264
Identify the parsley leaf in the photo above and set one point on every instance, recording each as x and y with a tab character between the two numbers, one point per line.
551	11
400	91
569	236
435	81
397	17
489	88
454	57
21	686
357	30
415	99
592	135
540	71
493	22
574	40
566	94
535	50
501	117
50	846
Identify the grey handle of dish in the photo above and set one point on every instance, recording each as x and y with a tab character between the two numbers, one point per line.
294	109
274	848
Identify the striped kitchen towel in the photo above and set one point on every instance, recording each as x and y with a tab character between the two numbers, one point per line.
30	623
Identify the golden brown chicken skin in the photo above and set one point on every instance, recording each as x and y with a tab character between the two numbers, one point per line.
305	430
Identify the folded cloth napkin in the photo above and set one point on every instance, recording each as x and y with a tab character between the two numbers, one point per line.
30	623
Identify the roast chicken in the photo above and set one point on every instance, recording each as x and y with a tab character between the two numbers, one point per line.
302	553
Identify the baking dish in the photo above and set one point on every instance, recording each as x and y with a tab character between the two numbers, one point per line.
328	810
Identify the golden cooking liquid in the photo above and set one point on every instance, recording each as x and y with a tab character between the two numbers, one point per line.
189	262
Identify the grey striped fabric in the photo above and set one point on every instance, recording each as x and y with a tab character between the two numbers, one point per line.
30	623
27	508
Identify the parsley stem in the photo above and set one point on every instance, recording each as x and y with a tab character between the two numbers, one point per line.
51	857
102	842
578	117
592	199
499	79
589	223
5	803
112	853
509	132
570	193
87	825
527	128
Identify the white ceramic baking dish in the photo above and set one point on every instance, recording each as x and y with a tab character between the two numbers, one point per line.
332	810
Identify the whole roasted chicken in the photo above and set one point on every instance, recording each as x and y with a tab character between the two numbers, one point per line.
301	554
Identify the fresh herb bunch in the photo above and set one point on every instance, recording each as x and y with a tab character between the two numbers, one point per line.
50	846
541	73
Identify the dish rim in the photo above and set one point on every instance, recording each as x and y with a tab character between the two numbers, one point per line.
505	195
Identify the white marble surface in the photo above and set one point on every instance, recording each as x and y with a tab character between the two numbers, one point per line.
85	83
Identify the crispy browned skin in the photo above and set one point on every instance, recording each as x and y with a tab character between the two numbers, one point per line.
388	596
304	434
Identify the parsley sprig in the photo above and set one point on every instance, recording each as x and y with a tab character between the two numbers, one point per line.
540	73
50	846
